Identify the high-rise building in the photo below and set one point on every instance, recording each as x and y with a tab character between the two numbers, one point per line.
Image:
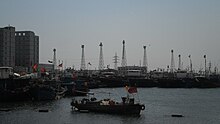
27	49
7	46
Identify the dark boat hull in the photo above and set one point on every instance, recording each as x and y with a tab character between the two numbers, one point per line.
112	82
122	109
188	83
14	95
14	90
142	82
43	93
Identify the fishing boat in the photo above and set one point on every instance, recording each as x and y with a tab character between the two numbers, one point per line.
126	107
12	86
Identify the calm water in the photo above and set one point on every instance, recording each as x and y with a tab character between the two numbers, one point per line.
199	106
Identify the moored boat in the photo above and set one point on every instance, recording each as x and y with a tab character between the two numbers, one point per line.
43	92
128	106
80	88
12	86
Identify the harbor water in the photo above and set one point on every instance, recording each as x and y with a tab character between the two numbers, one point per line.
198	106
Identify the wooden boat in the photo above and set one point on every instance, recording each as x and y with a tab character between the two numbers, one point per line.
126	107
42	92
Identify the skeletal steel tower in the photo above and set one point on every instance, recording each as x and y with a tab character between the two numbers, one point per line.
145	58
101	60
54	59
205	65
190	63
83	63
172	66
210	66
115	59
179	66
123	60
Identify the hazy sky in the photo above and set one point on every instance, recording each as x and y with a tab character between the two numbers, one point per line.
186	26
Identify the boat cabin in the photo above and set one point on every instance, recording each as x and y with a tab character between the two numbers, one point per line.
6	72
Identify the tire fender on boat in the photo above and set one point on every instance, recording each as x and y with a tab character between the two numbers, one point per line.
142	107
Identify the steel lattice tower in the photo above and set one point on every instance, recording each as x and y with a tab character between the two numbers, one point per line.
83	63
190	63
172	66
115	58
54	59
205	65
145	58
123	61
101	60
179	66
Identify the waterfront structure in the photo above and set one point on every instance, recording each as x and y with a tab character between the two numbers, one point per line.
83	63
26	49
7	46
101	59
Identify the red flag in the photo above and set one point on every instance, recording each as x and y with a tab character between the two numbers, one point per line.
34	68
43	70
132	90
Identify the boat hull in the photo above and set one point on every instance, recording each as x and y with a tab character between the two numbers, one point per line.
14	90
123	109
40	93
